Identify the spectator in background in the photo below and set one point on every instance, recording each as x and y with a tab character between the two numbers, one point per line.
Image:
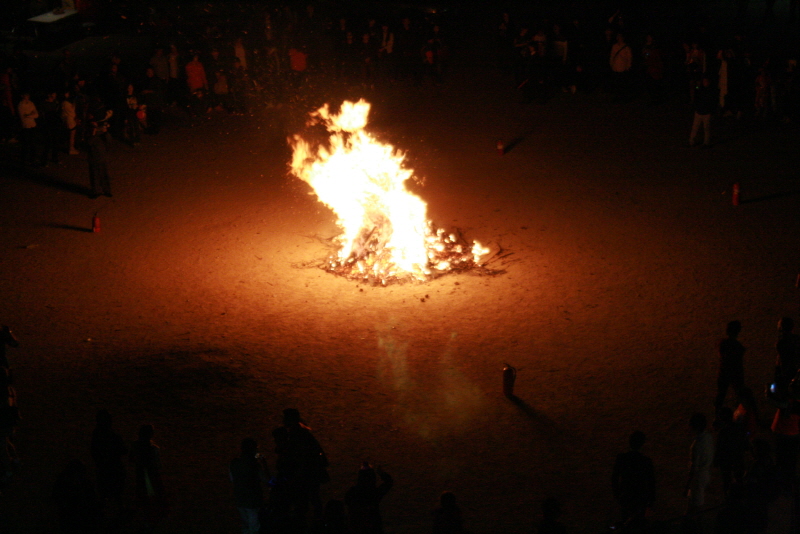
363	500
173	86
705	102
160	63
27	112
633	482
621	61
50	120
69	119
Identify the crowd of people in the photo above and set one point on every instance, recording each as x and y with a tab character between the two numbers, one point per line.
627	58
269	60
756	462
269	57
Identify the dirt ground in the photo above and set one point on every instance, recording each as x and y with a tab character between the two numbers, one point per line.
191	309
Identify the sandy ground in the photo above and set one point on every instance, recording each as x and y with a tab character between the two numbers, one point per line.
191	309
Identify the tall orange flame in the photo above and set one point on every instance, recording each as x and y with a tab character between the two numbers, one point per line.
385	231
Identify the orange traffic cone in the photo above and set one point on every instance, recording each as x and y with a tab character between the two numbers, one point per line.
96	224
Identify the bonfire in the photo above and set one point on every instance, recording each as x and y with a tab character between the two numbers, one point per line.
385	232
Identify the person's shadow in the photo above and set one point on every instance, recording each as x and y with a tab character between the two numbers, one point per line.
39	177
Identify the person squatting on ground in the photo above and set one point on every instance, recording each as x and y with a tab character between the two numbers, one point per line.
249	473
633	482
731	364
363	500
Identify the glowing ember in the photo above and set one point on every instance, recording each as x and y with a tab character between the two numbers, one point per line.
386	235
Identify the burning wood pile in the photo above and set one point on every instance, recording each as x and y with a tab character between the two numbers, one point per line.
386	236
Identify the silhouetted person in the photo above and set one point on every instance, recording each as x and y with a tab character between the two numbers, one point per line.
249	472
788	348
732	445
306	464
150	495
551	512
6	339
758	488
363	500
335	520
96	143
447	517
731	364
78	505
108	449
634	483
705	103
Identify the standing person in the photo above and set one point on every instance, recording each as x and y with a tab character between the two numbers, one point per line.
132	131
96	143
310	462
621	61
150	494
28	114
50	119
248	473
653	60
633	482
69	119
7	338
702	459
108	449
173	86
363	500
705	102
731	364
